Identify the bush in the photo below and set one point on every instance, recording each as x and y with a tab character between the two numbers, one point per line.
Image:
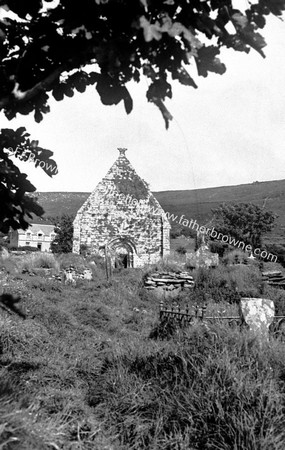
181	250
235	257
28	248
172	263
72	259
278	297
227	283
8	265
37	261
217	247
44	285
278	250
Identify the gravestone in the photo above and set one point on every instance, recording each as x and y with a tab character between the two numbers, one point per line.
4	253
258	314
203	257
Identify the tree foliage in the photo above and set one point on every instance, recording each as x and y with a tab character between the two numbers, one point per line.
64	234
244	221
16	206
46	46
45	52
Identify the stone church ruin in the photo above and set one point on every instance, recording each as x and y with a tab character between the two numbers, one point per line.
122	219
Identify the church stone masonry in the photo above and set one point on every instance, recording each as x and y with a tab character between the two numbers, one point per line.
122	217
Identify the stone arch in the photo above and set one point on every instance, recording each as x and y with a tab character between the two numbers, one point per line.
122	250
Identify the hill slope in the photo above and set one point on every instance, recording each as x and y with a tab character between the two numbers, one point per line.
194	204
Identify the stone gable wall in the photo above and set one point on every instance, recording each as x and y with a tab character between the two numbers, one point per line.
122	206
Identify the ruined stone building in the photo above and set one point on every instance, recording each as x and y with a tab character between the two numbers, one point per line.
122	217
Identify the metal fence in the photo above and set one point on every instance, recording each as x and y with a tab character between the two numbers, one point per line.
186	316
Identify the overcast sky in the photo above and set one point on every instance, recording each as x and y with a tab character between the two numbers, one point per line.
231	130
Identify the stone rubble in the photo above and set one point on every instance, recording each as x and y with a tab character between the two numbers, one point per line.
71	274
274	278
168	283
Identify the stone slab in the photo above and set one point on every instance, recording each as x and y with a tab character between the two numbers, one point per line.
258	314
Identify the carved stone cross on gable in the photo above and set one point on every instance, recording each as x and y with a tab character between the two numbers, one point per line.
122	151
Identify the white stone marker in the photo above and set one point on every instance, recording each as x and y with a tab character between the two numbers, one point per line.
258	313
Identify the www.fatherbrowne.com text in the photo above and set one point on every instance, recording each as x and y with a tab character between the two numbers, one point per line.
193	224
43	164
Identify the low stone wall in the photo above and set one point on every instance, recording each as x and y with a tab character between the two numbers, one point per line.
168	284
274	278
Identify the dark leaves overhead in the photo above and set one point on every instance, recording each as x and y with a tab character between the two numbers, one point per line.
44	50
48	49
16	205
207	61
112	93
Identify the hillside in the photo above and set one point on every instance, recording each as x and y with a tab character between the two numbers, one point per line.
194	204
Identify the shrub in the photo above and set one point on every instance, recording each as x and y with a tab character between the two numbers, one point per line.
278	297
217	247
181	250
8	265
28	248
165	329
71	259
168	264
235	257
97	259
278	250
44	285
227	283
37	261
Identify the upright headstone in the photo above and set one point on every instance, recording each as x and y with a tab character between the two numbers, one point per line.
258	314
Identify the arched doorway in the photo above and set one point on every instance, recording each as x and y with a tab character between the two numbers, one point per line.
122	252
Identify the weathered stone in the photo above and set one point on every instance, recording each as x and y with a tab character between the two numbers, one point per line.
169	284
167	280
258	313
87	275
202	258
123	218
271	273
170	287
149	283
4	253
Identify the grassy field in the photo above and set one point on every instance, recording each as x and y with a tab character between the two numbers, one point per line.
91	367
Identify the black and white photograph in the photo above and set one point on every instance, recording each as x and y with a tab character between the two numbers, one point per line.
142	225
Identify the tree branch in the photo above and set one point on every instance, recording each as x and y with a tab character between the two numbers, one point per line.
30	93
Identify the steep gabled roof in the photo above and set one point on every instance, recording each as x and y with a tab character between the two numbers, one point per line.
120	181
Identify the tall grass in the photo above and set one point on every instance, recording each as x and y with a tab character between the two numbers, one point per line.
212	389
82	372
227	283
38	261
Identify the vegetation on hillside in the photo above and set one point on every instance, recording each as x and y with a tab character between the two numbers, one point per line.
194	204
246	222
